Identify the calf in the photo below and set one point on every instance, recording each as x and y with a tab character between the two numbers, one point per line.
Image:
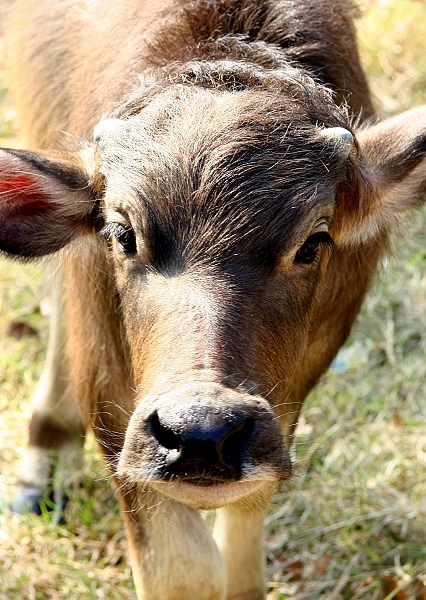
215	245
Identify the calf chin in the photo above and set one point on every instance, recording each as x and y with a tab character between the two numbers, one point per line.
204	445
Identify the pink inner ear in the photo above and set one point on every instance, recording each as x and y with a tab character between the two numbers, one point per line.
16	184
23	193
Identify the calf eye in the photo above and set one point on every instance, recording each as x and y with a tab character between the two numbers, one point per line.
308	252
124	234
126	239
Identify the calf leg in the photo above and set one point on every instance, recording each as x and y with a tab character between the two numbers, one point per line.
54	451
173	555
239	533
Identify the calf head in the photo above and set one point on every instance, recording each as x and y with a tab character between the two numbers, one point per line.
221	207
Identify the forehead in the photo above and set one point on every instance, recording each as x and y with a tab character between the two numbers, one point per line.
246	158
183	126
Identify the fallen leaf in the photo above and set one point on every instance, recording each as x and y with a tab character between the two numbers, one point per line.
317	566
420	591
398	418
19	329
389	589
294	568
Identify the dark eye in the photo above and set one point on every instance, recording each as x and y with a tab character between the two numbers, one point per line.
308	252
124	234
126	239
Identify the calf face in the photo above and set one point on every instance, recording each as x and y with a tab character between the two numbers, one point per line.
219	239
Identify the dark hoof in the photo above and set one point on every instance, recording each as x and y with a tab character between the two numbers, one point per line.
30	500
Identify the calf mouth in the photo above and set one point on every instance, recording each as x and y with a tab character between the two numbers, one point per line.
208	496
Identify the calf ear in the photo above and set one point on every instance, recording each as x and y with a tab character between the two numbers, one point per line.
46	200
393	176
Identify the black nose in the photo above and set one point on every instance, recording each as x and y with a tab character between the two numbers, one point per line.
202	442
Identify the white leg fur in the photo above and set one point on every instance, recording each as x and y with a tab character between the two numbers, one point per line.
173	555
52	399
52	383
239	534
35	469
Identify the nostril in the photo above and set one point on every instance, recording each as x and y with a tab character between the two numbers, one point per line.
202	441
232	447
164	436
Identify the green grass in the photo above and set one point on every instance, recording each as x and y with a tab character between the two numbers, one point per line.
354	513
393	37
7	131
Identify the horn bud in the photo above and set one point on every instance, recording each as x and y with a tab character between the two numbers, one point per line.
342	139
104	130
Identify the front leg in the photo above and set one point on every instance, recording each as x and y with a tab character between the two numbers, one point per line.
51	465
173	555
239	534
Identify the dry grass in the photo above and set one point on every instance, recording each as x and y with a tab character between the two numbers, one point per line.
352	523
392	36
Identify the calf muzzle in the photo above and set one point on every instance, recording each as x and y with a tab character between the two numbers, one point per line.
203	434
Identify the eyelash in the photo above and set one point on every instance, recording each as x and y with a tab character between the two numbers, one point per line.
307	253
124	235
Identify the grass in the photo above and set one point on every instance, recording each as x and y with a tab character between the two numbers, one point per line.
352	523
6	111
